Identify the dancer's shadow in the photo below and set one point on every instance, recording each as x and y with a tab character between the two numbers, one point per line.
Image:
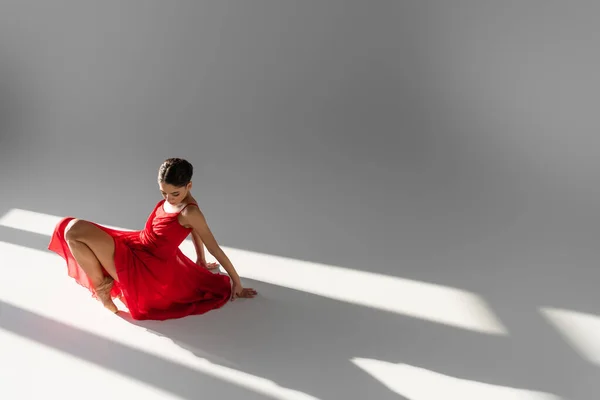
297	340
307	343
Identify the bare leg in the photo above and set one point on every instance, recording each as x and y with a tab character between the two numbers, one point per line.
93	249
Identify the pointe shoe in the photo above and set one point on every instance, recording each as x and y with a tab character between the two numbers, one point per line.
103	293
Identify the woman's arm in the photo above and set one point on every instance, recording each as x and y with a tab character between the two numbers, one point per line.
193	217
199	246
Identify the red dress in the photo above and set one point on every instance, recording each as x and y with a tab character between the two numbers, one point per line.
156	280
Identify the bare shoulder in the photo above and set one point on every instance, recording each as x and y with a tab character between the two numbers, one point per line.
192	209
191	216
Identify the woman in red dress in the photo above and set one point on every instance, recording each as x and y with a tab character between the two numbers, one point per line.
146	269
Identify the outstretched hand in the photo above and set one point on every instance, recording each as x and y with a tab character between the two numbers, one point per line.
239	291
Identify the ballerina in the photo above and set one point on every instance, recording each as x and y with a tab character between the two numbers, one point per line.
146	268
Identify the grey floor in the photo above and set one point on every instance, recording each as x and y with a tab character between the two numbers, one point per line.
412	188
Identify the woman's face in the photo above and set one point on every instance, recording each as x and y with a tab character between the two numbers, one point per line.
172	194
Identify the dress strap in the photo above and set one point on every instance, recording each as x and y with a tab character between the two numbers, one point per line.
188	204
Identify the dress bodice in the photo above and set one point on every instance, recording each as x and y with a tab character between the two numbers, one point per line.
163	233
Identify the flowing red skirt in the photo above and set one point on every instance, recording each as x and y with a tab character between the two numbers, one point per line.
151	287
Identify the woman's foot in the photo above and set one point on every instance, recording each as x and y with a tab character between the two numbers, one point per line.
103	293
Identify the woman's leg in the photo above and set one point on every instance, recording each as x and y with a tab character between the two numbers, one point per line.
94	251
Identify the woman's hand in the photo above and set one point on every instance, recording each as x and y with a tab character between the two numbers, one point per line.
209	266
212	265
239	291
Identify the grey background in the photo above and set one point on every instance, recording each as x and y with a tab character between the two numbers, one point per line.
452	142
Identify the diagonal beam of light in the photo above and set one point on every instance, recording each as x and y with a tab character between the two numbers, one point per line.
421	384
431	302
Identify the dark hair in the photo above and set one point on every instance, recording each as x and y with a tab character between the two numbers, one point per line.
175	171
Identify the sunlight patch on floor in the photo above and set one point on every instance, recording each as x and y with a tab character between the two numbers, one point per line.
426	301
580	330
34	371
435	303
31	221
421	384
